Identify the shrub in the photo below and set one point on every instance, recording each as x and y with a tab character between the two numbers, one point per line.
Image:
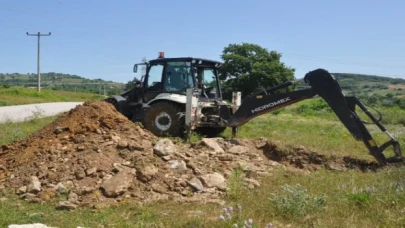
295	201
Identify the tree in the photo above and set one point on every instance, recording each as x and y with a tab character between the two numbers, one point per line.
249	67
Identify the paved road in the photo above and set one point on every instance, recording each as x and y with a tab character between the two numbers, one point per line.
23	112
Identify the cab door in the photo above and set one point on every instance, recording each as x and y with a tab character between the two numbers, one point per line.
153	82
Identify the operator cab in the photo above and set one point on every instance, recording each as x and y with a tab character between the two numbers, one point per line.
176	75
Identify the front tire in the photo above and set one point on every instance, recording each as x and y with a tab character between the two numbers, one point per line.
163	119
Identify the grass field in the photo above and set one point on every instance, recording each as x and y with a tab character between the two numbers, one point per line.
318	199
19	96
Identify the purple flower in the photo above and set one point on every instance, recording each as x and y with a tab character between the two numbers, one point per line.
221	217
230	209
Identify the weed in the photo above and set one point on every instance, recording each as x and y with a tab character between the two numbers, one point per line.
359	198
235	184
293	201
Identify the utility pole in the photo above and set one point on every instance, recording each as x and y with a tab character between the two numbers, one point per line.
38	58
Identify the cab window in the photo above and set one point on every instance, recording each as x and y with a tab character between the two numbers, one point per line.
178	77
155	77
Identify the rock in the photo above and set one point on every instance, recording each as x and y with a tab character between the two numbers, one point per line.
252	181
118	184
73	197
225	157
178	166
80	148
127	163
195	184
212	144
34	185
192	166
87	190
146	173
28	196
273	163
69	185
261	143
59	130
66	205
117	167
115	138
122	144
91	171
134	146
46	194
61	188
80	174
158	188
21	190
214	180
164	147
238	150
245	166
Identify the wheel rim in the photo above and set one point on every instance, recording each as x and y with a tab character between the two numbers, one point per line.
163	121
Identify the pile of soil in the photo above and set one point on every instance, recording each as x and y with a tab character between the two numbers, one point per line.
93	155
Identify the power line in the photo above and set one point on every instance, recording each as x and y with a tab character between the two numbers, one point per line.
38	57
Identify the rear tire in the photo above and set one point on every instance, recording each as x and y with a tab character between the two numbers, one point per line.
163	119
113	101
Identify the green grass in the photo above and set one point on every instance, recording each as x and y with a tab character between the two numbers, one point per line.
19	96
286	199
12	131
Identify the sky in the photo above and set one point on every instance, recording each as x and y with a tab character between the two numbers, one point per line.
104	39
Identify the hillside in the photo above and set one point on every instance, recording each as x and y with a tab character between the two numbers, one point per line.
375	90
61	81
371	84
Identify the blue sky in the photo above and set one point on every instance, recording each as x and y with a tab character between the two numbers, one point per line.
103	39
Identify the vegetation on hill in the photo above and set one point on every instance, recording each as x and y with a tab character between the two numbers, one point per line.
61	81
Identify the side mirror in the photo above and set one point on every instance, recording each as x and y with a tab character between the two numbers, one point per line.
135	68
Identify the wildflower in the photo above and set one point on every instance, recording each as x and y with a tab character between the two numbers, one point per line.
235	225
269	225
221	217
230	209
225	210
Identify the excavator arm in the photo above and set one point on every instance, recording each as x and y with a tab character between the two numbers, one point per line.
323	84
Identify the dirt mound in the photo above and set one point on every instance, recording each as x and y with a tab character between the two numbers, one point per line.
94	155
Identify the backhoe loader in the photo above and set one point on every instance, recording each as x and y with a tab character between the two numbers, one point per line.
179	95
